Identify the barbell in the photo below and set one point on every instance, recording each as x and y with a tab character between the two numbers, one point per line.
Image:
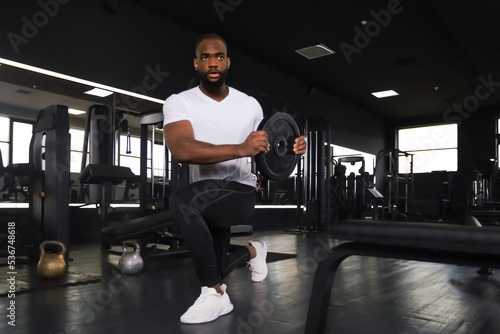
280	161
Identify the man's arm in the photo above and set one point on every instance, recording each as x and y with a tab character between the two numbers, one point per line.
180	140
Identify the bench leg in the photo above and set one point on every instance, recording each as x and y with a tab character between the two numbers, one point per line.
325	273
322	288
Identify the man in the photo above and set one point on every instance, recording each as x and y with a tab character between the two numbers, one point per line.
213	128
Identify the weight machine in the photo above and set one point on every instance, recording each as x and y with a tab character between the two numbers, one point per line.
48	171
348	199
156	224
316	194
102	143
399	186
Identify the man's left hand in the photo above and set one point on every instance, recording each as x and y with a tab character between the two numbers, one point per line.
300	145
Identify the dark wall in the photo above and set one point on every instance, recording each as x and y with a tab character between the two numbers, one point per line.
82	39
476	146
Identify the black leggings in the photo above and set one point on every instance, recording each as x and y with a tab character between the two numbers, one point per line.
205	211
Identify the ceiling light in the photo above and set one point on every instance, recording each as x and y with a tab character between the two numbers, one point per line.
385	93
77	80
315	51
75	111
99	92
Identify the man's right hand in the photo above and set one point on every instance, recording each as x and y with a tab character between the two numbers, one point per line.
255	143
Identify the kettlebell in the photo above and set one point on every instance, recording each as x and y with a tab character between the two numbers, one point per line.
51	265
131	262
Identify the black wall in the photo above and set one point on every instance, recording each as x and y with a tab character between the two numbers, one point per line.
82	39
476	146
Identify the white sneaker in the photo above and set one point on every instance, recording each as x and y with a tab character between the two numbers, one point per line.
209	306
258	264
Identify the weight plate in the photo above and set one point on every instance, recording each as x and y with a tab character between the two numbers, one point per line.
280	161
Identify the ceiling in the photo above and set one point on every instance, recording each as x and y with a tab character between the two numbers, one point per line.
434	53
437	54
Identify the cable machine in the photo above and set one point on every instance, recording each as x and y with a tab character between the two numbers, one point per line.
317	175
399	188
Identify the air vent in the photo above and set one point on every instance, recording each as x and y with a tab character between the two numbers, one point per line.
22	91
315	51
405	61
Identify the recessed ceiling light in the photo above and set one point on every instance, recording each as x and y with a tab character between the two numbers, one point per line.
385	93
315	51
75	111
99	92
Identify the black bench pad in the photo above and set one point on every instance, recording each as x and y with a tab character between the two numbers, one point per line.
428	242
139	226
436	236
100	173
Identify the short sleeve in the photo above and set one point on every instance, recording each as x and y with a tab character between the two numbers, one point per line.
259	115
174	109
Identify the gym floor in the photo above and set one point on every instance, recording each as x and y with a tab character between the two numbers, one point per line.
370	295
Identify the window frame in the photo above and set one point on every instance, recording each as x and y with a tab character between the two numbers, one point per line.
423	150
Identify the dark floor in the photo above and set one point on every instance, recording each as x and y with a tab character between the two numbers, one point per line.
370	295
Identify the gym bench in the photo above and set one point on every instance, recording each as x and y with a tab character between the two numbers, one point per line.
427	242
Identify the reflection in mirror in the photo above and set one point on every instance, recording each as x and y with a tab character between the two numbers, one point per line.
25	90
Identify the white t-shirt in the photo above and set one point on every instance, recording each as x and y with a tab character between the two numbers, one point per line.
229	121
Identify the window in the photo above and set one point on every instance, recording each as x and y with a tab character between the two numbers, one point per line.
21	138
4	139
132	159
434	148
77	137
159	160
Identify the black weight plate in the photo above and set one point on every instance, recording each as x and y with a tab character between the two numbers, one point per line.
280	161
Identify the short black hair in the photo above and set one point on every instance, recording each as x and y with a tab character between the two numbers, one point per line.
208	36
